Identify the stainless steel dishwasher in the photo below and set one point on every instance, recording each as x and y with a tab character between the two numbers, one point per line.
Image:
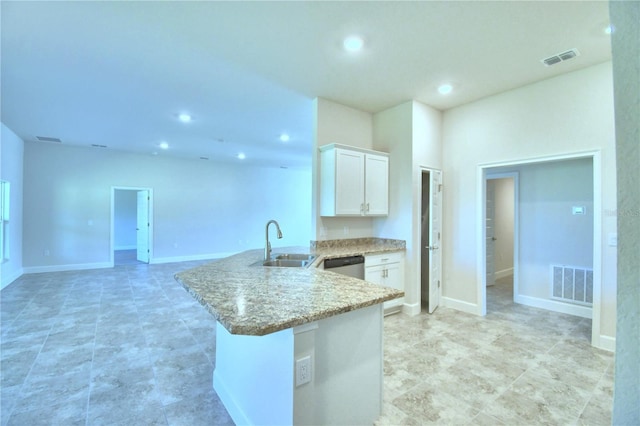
352	266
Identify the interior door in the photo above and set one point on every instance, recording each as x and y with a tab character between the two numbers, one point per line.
490	237
435	238
142	227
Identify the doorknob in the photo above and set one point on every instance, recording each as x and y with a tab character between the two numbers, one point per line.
493	238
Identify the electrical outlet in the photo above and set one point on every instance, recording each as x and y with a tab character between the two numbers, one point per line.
303	370
346	230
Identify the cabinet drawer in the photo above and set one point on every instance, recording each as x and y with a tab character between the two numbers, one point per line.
382	259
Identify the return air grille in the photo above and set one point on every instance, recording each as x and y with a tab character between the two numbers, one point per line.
48	139
572	284
560	57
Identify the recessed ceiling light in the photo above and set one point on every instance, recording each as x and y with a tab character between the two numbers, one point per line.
353	43
241	156
284	137
184	117
164	145
445	89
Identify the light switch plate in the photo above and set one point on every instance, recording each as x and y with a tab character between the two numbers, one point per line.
613	239
579	210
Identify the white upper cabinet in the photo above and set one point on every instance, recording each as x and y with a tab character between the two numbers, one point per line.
353	182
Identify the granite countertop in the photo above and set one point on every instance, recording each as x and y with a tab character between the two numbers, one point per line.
255	300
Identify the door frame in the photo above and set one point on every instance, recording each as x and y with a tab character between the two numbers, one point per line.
418	235
113	219
597	230
516	229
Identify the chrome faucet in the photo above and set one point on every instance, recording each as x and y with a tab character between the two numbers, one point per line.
267	244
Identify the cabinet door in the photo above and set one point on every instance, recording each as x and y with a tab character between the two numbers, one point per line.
375	274
377	185
349	182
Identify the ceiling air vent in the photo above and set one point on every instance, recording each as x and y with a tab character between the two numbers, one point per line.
95	145
48	139
560	57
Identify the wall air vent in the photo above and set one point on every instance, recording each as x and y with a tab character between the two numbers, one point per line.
560	57
48	139
95	145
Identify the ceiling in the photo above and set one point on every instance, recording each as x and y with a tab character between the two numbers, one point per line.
118	74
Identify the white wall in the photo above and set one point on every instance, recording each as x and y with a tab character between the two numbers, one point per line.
12	153
411	133
200	208
549	232
504	193
125	219
566	114
335	123
626	63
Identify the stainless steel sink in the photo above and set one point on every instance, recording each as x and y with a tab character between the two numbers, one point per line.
294	256
287	263
288	260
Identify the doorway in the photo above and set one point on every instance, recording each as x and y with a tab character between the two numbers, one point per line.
500	238
430	239
559	226
131	225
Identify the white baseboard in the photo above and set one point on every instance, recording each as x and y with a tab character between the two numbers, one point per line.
411	309
504	273
133	247
173	259
8	279
607	343
461	305
62	268
555	306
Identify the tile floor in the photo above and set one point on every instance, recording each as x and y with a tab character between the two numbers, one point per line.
129	346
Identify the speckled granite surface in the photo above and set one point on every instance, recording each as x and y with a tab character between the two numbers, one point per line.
257	300
355	246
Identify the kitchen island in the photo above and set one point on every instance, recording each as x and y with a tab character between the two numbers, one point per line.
293	345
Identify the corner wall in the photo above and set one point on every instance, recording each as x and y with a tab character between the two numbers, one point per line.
625	16
523	125
411	133
336	123
12	154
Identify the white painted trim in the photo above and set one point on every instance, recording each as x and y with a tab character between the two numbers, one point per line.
411	309
8	279
210	256
461	305
504	273
595	155
555	306
63	268
415	308
607	343
113	219
116	248
597	248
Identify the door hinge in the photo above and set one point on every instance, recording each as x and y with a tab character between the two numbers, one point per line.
438	236
148	198
148	224
439	187
438	283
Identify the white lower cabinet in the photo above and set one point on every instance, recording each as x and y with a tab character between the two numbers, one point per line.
388	270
